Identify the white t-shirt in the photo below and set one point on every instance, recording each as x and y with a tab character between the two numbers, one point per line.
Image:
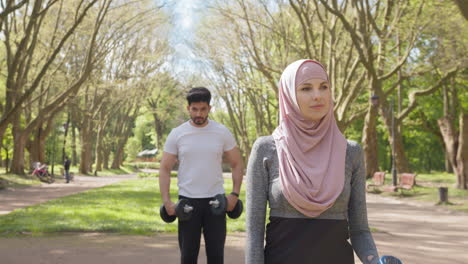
200	151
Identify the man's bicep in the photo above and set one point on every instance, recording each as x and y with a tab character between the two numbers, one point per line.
233	156
168	160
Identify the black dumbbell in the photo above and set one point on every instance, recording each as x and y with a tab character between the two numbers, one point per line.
219	206
237	211
183	211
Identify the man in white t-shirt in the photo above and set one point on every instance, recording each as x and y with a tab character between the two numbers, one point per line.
198	145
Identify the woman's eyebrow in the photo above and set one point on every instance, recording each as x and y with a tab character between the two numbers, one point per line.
307	83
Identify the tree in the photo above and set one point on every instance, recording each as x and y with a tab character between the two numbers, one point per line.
165	103
463	6
378	34
19	61
8	7
135	54
258	41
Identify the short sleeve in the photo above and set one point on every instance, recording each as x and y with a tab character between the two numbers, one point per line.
229	140
171	143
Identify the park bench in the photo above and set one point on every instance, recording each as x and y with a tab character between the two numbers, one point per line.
407	180
378	180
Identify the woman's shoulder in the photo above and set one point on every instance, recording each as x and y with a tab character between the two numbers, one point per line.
354	153
353	144
264	143
353	148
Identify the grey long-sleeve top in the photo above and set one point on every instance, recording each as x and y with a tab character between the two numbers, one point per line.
263	186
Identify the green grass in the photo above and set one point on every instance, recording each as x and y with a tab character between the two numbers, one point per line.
126	169
427	190
443	178
18	181
129	207
154	174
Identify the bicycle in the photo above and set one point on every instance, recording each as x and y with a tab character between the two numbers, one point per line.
41	172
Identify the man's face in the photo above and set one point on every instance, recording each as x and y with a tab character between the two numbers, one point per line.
199	113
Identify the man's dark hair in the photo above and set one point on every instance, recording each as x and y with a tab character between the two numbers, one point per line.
198	94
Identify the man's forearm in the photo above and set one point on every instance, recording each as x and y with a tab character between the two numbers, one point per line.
237	175
164	184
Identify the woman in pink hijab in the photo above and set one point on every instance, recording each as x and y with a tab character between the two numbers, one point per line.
311	177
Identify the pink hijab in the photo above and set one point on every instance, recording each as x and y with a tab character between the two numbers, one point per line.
311	154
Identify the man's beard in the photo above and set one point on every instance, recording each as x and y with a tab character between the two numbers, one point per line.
199	120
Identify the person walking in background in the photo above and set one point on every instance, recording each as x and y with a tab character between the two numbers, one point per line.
199	145
311	177
66	167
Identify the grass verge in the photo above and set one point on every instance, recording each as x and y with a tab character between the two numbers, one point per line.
18	181
129	207
125	169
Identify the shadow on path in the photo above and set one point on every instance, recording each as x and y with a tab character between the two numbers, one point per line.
418	233
105	249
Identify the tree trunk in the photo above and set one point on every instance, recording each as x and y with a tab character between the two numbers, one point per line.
37	146
159	131
1	146
86	157
99	151
450	140
118	155
369	142
7	161
66	126
17	165
74	153
99	157
37	150
86	147
401	162
106	156
448	164
462	155
395	140
126	129
33	148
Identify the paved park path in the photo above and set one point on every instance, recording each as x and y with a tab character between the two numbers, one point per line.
417	233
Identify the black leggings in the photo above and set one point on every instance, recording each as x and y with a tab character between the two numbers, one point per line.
214	232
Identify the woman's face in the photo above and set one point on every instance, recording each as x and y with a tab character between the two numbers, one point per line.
314	98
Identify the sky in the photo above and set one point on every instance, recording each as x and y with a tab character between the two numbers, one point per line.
185	16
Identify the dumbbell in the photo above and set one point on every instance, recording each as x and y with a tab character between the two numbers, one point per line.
219	206
389	260
183	211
